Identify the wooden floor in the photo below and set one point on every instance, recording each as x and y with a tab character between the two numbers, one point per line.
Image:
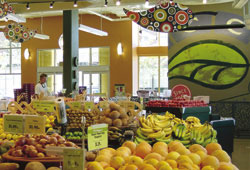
241	154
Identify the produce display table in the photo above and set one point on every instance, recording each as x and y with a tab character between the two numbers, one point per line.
200	112
48	162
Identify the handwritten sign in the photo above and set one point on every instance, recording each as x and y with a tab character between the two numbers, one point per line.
44	106
73	159
97	136
89	105
34	124
13	123
76	105
179	91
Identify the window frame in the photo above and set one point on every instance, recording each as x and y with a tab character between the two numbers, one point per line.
158	36
10	48
88	69
159	72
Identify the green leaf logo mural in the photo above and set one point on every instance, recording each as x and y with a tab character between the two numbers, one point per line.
210	63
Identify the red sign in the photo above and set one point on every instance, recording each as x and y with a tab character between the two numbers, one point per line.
179	91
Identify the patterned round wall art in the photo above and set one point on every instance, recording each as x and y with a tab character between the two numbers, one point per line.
16	32
166	17
5	9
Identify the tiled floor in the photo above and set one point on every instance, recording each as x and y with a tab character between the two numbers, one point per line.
241	154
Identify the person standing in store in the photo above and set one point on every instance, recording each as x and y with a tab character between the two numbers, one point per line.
41	88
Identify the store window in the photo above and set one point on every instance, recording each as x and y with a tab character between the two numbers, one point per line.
93	68
153	72
149	38
10	67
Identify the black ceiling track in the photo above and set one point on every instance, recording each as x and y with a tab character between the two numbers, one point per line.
211	27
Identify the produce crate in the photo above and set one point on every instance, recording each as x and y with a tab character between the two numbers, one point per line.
200	112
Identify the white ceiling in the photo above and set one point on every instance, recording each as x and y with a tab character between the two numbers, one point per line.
38	10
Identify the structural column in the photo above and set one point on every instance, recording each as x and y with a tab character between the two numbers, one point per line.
70	50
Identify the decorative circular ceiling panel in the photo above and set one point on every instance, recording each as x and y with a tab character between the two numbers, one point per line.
166	17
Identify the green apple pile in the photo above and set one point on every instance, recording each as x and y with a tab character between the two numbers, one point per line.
74	135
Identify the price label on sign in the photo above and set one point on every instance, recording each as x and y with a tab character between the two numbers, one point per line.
76	105
104	104
97	137
89	105
73	159
44	106
13	123
34	124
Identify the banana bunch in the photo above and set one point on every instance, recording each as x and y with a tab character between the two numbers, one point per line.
182	133
209	134
114	133
155	128
167	127
192	122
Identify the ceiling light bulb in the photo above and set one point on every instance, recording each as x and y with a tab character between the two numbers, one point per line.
51	4
146	3
28	6
204	1
118	2
75	3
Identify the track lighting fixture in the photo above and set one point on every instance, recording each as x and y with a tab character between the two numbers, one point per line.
28	6
75	3
51	4
106	3
118	2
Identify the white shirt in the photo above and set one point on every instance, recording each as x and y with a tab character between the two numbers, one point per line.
42	88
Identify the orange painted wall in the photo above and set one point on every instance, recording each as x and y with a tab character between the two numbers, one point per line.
120	66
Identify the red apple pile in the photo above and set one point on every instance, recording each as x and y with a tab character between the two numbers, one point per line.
33	146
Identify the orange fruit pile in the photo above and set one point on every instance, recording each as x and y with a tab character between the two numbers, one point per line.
162	156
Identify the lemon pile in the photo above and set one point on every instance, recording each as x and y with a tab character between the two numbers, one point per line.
7	137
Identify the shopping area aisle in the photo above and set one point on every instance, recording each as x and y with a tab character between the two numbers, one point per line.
241	154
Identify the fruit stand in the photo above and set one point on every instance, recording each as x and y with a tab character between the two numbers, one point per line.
120	138
181	109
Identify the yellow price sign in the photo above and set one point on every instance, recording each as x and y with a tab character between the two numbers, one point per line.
13	123
103	104
97	137
89	105
76	105
44	106
34	124
73	159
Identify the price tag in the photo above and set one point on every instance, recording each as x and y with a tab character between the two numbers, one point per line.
44	106
104	104
97	137
13	123
34	124
89	105
73	159
76	105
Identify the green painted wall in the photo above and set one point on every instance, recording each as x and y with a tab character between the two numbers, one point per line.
212	62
